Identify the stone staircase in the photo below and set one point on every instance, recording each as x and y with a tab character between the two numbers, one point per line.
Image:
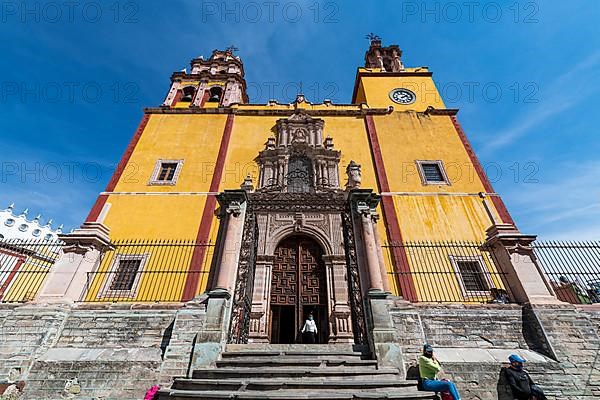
286	372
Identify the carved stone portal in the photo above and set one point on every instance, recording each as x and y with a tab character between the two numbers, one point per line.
299	202
307	258
282	218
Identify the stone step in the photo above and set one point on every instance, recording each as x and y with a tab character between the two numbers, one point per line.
283	362
288	383
258	372
391	394
237	355
307	348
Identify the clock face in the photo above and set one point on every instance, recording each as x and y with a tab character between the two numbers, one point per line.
403	96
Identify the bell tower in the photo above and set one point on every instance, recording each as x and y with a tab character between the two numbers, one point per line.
216	82
384	81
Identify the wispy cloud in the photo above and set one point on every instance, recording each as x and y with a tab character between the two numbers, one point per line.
568	206
561	94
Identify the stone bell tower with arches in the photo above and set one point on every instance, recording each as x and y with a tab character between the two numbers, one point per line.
216	82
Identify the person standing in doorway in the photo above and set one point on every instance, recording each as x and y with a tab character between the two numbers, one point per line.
309	331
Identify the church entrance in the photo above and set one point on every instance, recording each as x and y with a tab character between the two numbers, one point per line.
298	289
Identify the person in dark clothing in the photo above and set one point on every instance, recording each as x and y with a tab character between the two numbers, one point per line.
521	384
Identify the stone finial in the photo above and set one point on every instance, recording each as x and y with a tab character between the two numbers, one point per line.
11	207
329	143
247	185
24	213
354	176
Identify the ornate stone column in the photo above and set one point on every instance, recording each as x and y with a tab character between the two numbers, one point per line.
212	338
364	203
524	275
233	211
384	274
81	254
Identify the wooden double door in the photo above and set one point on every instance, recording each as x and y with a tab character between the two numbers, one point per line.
298	288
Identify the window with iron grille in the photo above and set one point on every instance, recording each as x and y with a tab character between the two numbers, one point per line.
126	274
432	172
299	177
472	275
166	172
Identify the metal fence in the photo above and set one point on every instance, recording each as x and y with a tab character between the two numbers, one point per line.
159	270
452	272
24	265
573	269
148	271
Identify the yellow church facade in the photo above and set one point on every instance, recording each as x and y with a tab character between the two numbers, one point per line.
395	147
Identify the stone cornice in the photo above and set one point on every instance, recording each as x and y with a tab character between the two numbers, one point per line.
440	111
350	111
356	111
206	76
212	61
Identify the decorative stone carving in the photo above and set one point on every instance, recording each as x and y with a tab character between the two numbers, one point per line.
354	176
248	186
297	159
388	59
316	215
298	192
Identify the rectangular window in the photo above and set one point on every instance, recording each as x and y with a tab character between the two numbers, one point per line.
432	172
126	274
166	172
472	275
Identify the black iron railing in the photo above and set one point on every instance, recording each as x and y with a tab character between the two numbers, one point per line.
24	265
147	271
453	272
573	269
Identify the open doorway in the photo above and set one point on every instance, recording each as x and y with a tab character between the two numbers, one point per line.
298	288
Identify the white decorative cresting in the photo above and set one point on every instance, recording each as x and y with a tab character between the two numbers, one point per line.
17	226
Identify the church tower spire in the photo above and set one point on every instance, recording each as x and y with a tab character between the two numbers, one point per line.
216	82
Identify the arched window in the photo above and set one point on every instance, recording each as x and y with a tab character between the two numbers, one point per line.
188	94
215	94
299	178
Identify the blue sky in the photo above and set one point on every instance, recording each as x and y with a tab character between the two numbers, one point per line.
526	76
